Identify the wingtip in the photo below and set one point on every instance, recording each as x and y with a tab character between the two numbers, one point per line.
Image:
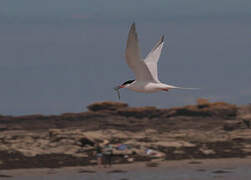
133	26
132	32
162	38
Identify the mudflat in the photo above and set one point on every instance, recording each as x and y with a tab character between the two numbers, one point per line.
229	168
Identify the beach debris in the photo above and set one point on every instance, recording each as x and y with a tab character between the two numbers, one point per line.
122	147
105	142
154	153
149	152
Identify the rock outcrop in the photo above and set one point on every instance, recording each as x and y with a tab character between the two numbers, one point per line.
205	130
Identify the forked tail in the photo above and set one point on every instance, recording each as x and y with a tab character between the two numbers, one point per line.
176	87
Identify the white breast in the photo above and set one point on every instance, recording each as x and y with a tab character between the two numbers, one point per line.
147	87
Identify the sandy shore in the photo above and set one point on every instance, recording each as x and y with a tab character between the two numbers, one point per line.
198	164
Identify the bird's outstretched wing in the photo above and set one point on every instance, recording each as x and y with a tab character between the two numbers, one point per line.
133	59
152	58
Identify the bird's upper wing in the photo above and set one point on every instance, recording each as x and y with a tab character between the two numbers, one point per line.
133	59
152	58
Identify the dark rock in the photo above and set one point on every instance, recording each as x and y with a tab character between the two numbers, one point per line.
86	171
195	162
221	172
117	171
116	115
110	106
246	122
85	142
5	176
231	126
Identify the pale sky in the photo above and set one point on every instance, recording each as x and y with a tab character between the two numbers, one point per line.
59	56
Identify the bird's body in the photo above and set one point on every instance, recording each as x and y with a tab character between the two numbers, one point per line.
147	87
145	71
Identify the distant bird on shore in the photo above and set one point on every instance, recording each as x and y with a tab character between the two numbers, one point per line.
146	72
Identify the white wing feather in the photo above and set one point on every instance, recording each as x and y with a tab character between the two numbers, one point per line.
133	58
152	59
146	70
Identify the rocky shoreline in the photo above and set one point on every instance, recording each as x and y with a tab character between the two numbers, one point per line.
204	130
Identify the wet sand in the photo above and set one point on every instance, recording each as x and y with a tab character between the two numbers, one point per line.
231	168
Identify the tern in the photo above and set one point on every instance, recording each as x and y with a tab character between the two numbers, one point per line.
145	71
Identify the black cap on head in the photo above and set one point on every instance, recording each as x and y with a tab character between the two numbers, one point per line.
128	82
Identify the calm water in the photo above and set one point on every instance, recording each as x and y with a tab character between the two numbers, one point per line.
193	172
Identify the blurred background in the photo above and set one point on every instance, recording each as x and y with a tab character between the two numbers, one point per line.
59	56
